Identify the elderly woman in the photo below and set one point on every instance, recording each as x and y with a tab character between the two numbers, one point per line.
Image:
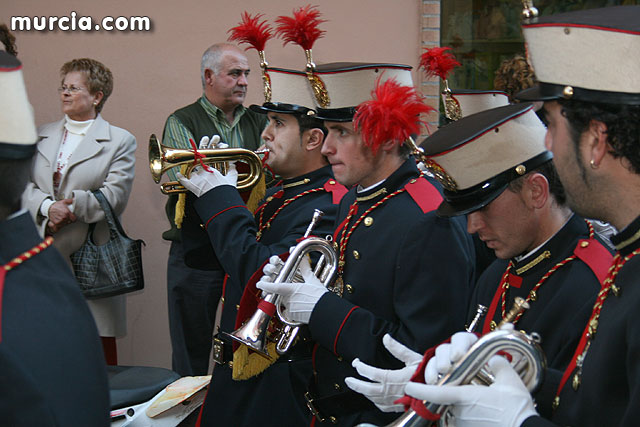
78	154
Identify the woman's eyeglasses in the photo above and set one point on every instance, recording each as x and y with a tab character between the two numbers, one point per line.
71	89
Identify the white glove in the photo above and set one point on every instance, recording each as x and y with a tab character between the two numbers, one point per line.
202	181
213	142
387	385
206	142
299	299
448	354
270	270
506	402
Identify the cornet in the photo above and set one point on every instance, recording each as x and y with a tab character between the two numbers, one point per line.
163	158
531	366
253	333
528	357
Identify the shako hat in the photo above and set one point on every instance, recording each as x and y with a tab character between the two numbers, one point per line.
18	134
337	88
589	55
350	84
289	93
474	101
285	91
476	157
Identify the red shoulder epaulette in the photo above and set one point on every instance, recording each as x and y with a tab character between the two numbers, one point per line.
336	189
595	255
424	194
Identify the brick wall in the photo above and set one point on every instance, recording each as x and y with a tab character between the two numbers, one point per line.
430	37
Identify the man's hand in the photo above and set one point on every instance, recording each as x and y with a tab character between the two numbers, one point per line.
202	181
448	354
299	299
60	215
506	402
387	385
206	142
270	270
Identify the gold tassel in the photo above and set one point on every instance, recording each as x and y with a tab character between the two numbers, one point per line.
247	365
257	194
181	203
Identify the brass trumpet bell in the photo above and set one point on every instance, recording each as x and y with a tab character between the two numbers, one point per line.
163	158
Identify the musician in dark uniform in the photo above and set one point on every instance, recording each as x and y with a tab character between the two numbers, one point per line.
516	203
402	271
243	241
52	370
591	93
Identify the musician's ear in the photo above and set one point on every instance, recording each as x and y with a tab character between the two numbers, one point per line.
314	139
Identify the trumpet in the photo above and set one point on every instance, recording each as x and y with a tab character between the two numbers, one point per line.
253	333
163	158
529	362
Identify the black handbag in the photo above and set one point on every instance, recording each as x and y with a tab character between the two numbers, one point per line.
113	268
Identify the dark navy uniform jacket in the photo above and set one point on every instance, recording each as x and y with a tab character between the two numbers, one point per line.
265	399
408	273
564	301
609	390
52	369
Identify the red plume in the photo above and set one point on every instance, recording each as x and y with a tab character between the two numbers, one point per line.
251	31
302	29
437	61
391	115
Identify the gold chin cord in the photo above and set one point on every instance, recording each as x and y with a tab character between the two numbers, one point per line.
417	152
163	158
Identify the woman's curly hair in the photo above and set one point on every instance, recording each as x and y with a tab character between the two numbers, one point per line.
514	75
99	77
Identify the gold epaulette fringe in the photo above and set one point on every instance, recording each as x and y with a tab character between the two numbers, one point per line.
180	204
247	365
257	194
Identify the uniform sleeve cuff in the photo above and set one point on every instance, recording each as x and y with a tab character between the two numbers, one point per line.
328	319
217	200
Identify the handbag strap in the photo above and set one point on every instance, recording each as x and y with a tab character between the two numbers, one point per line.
115	228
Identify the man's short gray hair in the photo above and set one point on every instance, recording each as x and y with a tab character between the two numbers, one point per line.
212	59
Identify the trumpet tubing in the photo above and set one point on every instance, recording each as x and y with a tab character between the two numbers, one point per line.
163	158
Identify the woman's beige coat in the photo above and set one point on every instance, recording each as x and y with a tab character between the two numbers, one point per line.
105	160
